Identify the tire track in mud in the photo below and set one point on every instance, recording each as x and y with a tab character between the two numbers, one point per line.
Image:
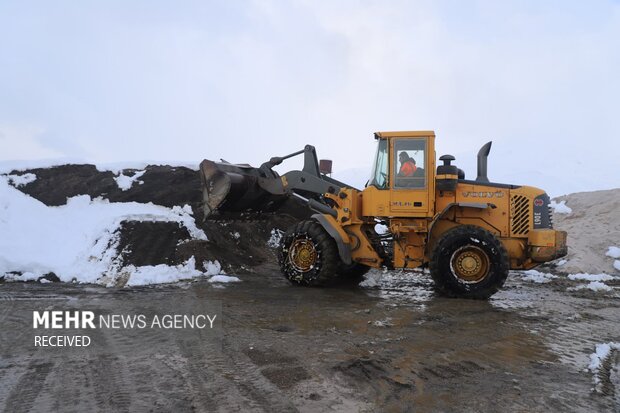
72	389
188	391
232	380
153	376
251	382
129	377
614	380
109	379
133	377
108	373
27	389
205	383
608	377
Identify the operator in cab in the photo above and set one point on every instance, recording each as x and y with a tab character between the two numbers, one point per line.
407	165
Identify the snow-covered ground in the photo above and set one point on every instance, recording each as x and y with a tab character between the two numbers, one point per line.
594	286
591	277
77	241
595	282
614	252
537	276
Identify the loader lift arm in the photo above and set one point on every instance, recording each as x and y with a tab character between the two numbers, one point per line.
230	187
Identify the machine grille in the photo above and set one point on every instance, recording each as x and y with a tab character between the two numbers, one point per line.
550	216
519	215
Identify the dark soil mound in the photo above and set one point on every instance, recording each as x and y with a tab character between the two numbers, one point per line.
238	245
162	185
54	185
151	243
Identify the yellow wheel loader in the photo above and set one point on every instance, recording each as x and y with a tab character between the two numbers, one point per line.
469	233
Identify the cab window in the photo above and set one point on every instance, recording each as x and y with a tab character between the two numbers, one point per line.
379	174
409	163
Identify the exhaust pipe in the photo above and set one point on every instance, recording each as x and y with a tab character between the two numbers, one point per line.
483	153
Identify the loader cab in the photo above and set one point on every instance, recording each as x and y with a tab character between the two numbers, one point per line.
402	178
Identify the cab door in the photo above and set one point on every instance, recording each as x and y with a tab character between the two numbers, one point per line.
411	174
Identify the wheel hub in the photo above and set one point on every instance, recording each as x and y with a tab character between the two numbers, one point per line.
303	254
470	264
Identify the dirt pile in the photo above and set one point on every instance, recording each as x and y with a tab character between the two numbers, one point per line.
162	185
238	242
592	226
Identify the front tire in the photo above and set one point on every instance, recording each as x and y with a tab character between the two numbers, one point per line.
308	255
469	262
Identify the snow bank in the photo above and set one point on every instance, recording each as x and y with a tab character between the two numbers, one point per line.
613	252
591	277
223	279
597	359
76	241
560	208
536	276
594	286
212	267
182	215
595	281
162	273
21	180
125	182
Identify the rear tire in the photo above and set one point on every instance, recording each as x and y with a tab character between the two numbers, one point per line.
308	255
469	262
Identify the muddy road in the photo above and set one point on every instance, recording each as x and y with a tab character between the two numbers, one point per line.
392	347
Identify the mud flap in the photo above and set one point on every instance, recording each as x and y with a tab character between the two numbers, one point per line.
338	234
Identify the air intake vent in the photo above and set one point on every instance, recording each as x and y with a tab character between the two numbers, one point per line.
519	215
550	211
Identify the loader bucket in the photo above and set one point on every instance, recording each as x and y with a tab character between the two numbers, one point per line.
229	187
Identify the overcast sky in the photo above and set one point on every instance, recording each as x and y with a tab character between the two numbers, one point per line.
116	81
